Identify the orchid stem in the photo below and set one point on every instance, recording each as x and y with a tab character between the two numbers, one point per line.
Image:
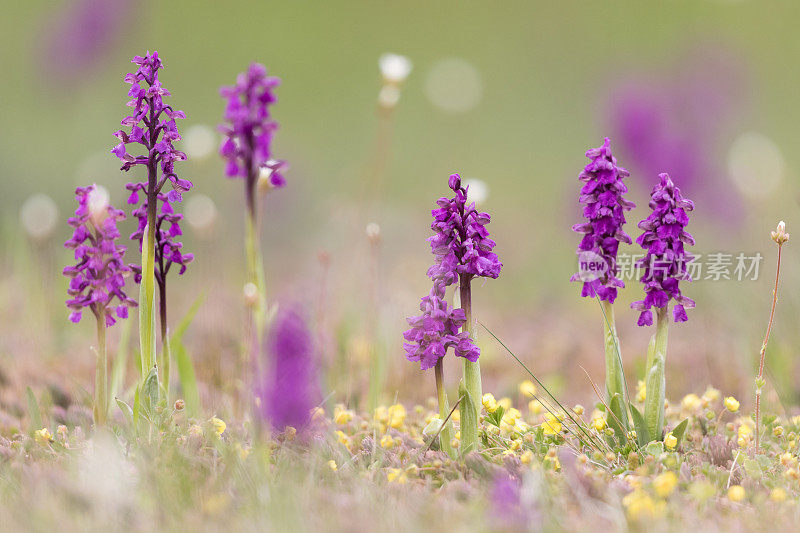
445	435
100	410
472	377
655	381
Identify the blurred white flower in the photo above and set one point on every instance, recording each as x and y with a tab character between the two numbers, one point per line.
389	95
105	476
755	164
38	216
373	232
199	141
394	67
200	212
478	190
454	85
98	204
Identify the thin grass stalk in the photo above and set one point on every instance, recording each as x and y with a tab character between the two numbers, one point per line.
655	383
760	382
100	410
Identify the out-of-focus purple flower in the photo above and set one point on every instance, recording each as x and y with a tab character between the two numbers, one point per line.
249	129
461	243
97	280
505	498
666	262
167	248
289	389
152	125
461	247
604	209
436	330
81	34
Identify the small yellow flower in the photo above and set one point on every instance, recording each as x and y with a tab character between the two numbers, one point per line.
489	403
641	391
195	431
777	495
789	460
455	443
343	438
665	483
736	493
511	416
397	415
342	416
536	407
43	436
218	425
396	475
515	445
526	457
381	414
317	413
670	441
527	389
777	431
551	425
578	409
332	465
711	395
599	423
505	403
731	404
387	442
691	402
641	506
743	435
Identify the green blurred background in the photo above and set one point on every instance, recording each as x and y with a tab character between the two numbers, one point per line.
510	93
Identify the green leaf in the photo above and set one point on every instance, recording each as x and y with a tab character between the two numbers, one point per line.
151	391
680	430
468	417
187	378
642	433
121	360
187	319
615	416
655	448
33	410
752	468
127	412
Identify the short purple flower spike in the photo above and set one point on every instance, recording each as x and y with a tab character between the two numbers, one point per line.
153	126
666	262
461	246
167	248
249	129
436	330
289	391
604	210
98	277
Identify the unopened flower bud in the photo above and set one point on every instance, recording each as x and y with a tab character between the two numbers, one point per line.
394	67
250	292
779	235
179	404
373	233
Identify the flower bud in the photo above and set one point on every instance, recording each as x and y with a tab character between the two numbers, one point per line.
779	235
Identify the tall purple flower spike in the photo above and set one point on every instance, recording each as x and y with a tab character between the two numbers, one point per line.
167	248
153	126
604	210
289	390
666	262
461	246
98	277
249	129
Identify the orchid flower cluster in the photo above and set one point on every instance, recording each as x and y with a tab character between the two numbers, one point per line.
462	250
665	266
97	280
249	130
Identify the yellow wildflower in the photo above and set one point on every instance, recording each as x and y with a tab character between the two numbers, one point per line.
640	505
343	438
396	475
341	415
511	415
515	445
527	389
670	441
397	415
691	402
381	414
578	409
387	442
711	395
641	391
536	407
489	403
787	459
599	423
731	404
526	457
218	425
505	403
665	483
43	436
551	425
317	413
777	431
332	465
736	493
777	495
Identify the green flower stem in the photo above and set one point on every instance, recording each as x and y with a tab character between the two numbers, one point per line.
655	383
446	434
165	360
255	274
615	377
472	377
100	410
147	296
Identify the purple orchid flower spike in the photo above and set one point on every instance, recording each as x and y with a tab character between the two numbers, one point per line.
665	266
152	126
97	280
604	206
462	250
